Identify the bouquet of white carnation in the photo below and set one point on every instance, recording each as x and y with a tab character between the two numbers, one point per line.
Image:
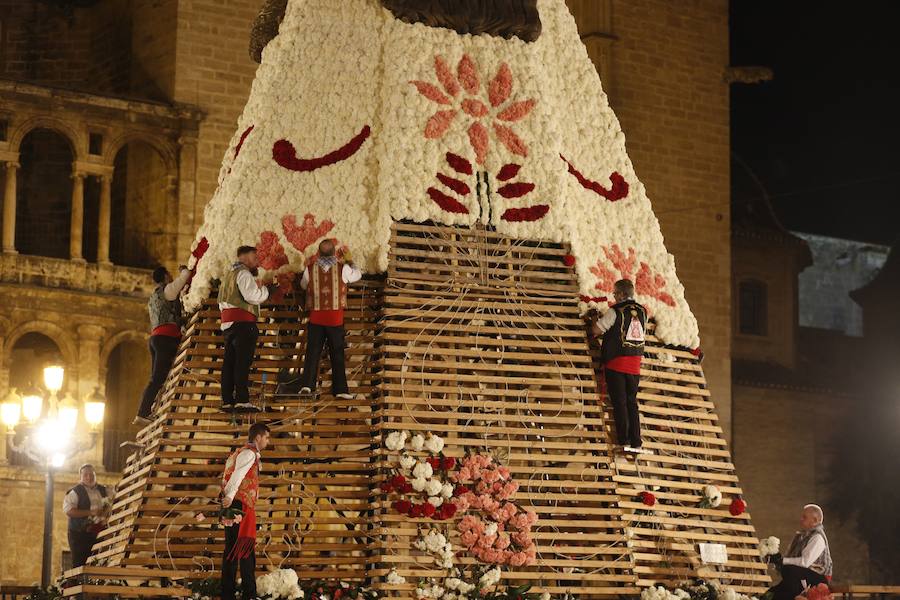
769	546
282	584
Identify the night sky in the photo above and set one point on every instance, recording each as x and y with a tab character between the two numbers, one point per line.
824	135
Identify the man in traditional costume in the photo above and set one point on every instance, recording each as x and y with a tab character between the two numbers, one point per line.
807	561
239	298
240	490
165	311
622	328
325	282
87	507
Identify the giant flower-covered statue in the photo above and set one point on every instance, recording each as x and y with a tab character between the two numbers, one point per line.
365	112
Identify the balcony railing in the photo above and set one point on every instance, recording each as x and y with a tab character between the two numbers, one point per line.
74	275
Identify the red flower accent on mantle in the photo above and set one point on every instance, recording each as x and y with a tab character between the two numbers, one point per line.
532	213
569	260
284	153
303	235
237	149
646	283
618	191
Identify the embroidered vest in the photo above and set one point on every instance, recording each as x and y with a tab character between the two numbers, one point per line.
84	503
326	289
248	490
822	564
230	292
626	336
163	311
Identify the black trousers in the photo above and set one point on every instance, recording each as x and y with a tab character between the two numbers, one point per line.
622	389
230	567
80	544
316	337
163	349
792	582
240	346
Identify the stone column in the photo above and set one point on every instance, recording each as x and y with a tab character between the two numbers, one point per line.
9	208
103	225
77	229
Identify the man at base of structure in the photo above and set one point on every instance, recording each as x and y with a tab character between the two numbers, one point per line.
86	506
807	561
325	282
239	298
165	311
622	328
240	490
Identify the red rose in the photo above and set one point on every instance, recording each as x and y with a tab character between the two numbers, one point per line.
449	462
402	506
405	488
386	487
434	461
448	509
569	260
428	509
416	511
460	490
337	593
647	498
398	480
738	506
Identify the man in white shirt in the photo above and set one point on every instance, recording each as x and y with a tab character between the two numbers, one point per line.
240	296
807	561
86	506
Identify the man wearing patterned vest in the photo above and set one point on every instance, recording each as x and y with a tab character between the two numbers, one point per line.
325	282
239	298
86	506
807	561
622	328
164	306
240	490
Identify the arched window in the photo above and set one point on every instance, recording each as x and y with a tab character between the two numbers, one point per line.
752	309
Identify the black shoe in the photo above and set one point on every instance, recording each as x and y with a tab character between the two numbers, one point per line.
288	388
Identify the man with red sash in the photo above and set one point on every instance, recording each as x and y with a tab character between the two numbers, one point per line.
325	282
239	298
240	490
622	328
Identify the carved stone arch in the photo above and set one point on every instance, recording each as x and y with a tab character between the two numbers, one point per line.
110	344
77	142
62	338
163	148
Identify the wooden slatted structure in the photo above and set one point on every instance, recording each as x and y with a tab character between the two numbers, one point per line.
473	336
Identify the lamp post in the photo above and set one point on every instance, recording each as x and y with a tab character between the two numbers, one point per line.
49	440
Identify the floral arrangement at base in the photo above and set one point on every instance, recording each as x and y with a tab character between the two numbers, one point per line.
205	589
282	584
336	590
697	589
816	592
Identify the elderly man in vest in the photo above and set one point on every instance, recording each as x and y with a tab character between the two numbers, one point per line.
165	311
239	298
325	282
622	328
87	506
240	489
807	561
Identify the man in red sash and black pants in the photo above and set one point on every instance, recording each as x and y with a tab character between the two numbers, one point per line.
325	282
240	489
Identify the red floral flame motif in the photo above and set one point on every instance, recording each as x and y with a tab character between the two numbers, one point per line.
457	186
618	191
646	283
284	153
270	252
302	236
197	253
483	117
240	144
518	189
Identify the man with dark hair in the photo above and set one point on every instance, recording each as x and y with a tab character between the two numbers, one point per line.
87	507
165	311
622	328
325	282
239	298
240	490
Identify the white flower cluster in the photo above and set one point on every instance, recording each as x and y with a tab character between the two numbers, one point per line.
769	546
282	584
396	440
712	495
394	578
490	578
435	543
661	593
336	82
420	472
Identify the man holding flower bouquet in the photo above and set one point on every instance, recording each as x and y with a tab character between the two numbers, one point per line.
807	561
240	490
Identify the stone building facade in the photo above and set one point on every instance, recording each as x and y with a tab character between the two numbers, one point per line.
115	115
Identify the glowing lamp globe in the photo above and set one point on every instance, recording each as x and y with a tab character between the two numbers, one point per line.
31	407
94	408
53	377
68	413
9	414
53	436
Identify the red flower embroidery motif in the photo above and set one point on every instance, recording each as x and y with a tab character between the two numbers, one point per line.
483	117
459	187
284	153
240	144
646	283
532	213
270	251
303	235
647	498
618	191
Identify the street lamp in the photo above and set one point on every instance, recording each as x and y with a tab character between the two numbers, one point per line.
50	440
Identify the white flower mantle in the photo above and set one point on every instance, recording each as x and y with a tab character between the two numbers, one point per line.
338	70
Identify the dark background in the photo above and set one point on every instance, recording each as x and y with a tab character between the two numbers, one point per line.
824	135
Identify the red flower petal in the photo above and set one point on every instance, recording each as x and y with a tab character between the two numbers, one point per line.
515	190
459	164
446	202
516	111
509	139
431	92
270	252
531	213
456	185
468	74
237	149
501	86
200	250
508	172
569	260
302	236
478	136
476	108
617	191
439	124
284	153
445	76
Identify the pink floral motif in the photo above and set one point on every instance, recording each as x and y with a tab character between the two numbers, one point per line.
270	251
303	235
646	283
482	118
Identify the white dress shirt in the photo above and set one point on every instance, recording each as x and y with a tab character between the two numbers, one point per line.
814	548
70	501
251	291
606	322
171	291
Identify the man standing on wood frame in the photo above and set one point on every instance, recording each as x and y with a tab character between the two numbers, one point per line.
325	282
240	490
622	328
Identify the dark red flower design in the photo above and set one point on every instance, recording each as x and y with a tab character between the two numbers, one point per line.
459	490
237	149
270	252
448	462
569	260
532	213
647	498
457	186
428	509
618	191
402	506
595	299
284	153
737	507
